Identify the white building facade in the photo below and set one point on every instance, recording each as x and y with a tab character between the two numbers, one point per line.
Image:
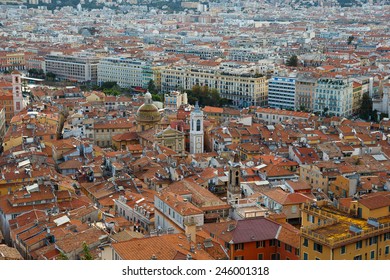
334	96
126	72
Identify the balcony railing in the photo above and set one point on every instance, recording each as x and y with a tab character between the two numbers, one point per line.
334	242
342	239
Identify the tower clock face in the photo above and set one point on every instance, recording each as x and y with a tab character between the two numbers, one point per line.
198	145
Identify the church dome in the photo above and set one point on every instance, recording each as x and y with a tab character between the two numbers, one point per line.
148	112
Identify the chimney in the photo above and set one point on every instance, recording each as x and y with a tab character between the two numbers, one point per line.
192	249
190	230
153	257
189	257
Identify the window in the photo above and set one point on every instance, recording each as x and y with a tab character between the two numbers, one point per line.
359	257
373	240
296	251
305	256
260	244
342	250
372	255
278	243
275	256
294	209
305	242
387	250
260	256
239	258
386	236
198	125
317	247
359	244
239	246
287	247
272	242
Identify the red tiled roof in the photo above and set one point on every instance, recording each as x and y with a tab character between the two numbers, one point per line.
251	230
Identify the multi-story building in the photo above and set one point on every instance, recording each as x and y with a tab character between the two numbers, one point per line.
274	116
357	97
281	93
80	67
382	104
256	239
333	96
242	88
103	131
202	52
174	213
304	92
6	102
174	100
10	61
126	72
360	231
138	208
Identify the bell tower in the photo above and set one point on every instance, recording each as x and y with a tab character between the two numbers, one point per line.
234	188
196	131
17	91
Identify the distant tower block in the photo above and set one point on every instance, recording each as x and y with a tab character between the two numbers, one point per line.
234	187
17	91
196	131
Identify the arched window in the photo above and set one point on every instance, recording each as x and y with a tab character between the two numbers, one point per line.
198	125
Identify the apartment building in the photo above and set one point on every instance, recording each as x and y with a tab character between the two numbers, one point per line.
281	93
175	99
103	131
12	60
242	88
173	213
328	233
126	72
79	67
274	116
333	96
304	92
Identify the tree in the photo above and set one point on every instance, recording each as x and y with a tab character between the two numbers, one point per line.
108	85
350	39
50	76
292	61
115	90
86	252
365	111
152	87
302	108
62	256
157	97
326	109
206	96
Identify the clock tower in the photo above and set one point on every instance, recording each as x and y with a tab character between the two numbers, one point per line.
196	131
